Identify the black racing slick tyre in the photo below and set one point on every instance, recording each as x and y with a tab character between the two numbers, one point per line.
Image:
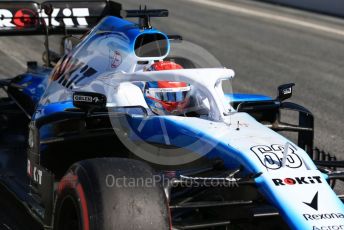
110	193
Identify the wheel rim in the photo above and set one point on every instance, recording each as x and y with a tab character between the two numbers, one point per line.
69	215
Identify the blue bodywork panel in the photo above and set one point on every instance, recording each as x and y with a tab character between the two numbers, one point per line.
240	97
129	30
34	83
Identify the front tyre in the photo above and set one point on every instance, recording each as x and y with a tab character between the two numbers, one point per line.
110	193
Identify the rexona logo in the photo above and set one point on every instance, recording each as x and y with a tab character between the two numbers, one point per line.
326	216
27	17
314	203
297	180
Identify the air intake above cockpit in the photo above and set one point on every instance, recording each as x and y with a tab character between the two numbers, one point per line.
151	45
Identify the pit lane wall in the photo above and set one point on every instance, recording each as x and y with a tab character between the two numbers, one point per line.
331	7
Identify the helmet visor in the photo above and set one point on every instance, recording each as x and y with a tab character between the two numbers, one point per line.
169	94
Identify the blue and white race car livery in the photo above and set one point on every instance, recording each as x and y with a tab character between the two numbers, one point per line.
99	115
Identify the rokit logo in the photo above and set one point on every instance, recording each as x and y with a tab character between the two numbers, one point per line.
35	173
297	180
21	18
27	17
79	13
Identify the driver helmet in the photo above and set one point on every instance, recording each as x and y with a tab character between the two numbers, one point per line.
166	97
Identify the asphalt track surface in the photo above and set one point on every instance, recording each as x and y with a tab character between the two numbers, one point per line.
266	45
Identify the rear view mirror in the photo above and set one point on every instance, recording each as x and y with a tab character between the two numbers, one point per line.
89	101
285	91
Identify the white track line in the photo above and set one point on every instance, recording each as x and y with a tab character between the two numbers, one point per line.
269	16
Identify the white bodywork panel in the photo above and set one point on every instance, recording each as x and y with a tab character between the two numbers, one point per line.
127	94
208	81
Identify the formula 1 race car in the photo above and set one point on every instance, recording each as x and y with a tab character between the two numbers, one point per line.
119	132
